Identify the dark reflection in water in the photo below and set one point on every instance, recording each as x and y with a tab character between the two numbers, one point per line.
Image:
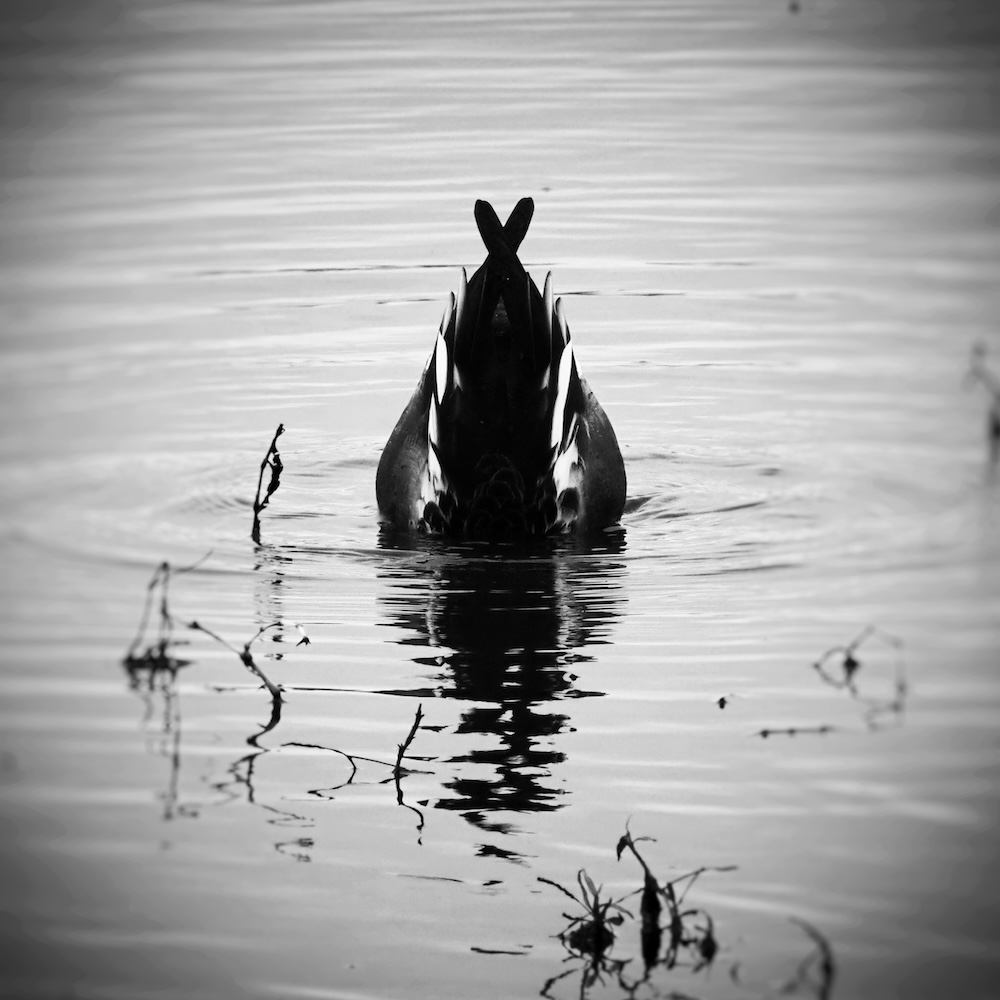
153	682
505	625
152	669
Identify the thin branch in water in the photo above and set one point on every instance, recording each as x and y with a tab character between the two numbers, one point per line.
268	726
398	771
352	759
244	654
404	746
272	461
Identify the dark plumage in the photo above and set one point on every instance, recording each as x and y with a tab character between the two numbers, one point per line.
502	437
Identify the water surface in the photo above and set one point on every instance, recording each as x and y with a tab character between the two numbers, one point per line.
776	236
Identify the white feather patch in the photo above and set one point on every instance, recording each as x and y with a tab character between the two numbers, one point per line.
561	323
441	366
460	300
433	465
567	466
547	309
449	310
547	299
562	396
459	313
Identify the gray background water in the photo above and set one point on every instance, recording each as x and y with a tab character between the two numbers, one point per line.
777	238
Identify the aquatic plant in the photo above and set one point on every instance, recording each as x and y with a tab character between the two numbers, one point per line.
590	935
684	935
672	934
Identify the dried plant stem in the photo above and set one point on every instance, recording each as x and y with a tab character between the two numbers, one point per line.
244	654
399	770
273	461
405	745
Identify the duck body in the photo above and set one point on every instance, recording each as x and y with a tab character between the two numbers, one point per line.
502	438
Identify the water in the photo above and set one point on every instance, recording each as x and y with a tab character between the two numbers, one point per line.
776	235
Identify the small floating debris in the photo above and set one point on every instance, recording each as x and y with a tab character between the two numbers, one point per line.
840	668
796	731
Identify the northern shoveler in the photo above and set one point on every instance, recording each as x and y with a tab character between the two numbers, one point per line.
502	437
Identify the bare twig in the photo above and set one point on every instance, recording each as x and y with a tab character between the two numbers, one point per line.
404	746
399	770
352	758
244	654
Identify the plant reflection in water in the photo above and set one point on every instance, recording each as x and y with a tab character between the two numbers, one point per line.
152	667
505	627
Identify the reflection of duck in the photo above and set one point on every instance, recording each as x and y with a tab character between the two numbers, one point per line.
503	630
502	437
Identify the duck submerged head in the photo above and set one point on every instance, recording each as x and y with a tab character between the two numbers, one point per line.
502	438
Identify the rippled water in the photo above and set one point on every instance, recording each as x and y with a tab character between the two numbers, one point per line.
776	235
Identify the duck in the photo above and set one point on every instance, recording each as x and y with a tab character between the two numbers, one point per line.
502	437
